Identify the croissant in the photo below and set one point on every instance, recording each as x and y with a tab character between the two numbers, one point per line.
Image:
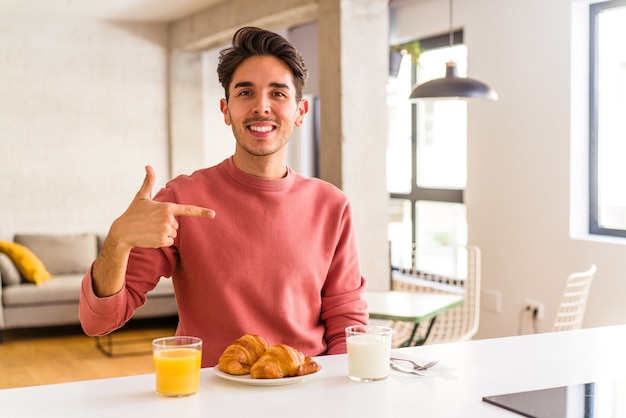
238	357
309	366
281	360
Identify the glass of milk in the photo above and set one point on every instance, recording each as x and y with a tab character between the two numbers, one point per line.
369	350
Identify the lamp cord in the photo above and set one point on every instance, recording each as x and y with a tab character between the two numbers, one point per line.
451	36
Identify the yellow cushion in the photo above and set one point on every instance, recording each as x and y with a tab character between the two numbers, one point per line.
31	267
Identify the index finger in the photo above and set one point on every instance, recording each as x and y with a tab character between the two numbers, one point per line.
191	210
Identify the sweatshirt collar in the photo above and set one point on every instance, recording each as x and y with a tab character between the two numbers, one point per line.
258	183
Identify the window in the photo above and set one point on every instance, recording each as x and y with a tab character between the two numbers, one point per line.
607	133
427	164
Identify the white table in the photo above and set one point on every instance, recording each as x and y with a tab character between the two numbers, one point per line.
413	307
454	388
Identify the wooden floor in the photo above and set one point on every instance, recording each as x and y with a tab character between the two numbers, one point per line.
66	354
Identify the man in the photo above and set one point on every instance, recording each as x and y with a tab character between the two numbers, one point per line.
276	253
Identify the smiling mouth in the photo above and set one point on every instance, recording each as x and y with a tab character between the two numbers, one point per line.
261	129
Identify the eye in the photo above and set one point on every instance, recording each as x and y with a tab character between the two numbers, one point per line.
244	93
279	94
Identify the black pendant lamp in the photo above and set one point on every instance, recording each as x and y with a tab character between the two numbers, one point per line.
452	86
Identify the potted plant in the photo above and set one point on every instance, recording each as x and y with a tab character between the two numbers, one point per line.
396	52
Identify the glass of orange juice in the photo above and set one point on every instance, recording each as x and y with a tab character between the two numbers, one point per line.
177	365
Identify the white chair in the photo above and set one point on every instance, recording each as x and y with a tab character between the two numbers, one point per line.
571	310
457	324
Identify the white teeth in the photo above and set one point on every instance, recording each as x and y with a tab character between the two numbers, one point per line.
265	128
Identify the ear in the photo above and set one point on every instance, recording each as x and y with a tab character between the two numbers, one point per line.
303	108
224	110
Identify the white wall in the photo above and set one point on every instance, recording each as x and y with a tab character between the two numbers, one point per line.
218	137
518	193
82	111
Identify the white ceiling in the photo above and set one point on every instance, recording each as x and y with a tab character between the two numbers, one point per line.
128	10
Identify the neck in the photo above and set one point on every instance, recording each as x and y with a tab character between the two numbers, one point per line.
267	167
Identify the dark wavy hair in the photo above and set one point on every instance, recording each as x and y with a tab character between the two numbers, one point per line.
251	41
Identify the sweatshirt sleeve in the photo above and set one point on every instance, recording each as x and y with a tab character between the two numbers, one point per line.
342	301
100	316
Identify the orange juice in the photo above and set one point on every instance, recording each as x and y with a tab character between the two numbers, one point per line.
177	371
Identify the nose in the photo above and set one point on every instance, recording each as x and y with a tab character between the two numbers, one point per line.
262	105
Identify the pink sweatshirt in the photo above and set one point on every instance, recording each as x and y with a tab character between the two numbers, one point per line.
278	260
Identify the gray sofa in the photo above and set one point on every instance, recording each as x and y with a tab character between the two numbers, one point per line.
55	302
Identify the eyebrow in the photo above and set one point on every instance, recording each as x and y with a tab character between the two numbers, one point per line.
272	84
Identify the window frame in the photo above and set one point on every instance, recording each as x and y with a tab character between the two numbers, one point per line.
418	193
594	222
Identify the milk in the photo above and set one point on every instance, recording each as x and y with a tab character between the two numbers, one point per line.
368	356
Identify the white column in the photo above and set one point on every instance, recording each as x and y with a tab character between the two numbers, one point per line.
353	54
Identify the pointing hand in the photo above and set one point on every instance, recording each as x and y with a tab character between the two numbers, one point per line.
152	224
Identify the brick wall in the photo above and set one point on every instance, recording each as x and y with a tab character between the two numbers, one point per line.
83	108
